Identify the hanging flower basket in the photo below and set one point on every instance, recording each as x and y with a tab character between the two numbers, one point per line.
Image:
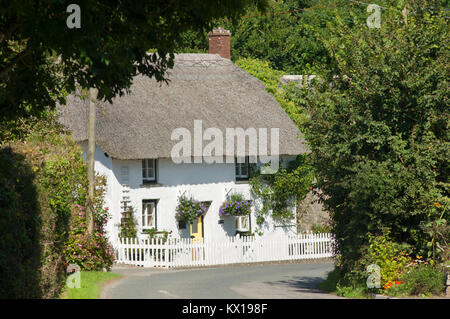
188	209
235	205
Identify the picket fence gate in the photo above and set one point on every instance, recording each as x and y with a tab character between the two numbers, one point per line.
187	252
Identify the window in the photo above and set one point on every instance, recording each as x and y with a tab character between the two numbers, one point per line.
148	170
149	214
242	223
242	169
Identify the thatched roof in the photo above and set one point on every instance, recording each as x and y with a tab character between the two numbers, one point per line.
202	87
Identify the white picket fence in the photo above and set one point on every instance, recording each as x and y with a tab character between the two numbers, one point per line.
182	252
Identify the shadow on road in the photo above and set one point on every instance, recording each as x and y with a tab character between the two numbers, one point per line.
303	284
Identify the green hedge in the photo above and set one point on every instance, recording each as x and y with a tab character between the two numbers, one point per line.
42	175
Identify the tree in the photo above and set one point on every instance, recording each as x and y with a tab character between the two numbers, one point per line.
42	58
286	34
272	80
379	127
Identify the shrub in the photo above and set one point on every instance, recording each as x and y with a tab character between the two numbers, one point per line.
90	252
20	225
422	279
42	178
42	175
235	205
390	257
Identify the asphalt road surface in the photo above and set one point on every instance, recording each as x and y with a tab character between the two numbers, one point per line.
274	281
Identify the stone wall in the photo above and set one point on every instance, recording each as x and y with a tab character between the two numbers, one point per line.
310	212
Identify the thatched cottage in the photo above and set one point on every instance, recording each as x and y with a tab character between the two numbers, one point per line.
136	136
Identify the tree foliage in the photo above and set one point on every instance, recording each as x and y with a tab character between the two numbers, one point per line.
272	80
379	128
286	34
42	59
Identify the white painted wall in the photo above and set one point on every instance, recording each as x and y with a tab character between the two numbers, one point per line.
205	182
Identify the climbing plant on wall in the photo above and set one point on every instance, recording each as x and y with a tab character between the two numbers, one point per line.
278	192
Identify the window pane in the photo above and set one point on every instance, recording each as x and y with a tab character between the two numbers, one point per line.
148	169
244	222
148	215
150	221
237	169
144	214
244	170
195	227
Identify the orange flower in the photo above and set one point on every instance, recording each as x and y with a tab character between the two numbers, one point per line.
437	204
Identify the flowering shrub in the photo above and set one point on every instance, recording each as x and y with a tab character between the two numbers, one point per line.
390	284
188	209
235	206
389	256
89	252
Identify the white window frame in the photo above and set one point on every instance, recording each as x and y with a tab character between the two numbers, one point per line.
239	169
148	165
145	213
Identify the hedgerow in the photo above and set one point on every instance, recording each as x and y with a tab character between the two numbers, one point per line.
42	178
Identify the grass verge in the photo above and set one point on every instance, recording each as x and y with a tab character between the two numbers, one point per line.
331	285
91	284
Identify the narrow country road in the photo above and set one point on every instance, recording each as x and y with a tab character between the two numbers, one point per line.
274	281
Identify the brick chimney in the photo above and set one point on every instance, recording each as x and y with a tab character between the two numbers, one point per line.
219	42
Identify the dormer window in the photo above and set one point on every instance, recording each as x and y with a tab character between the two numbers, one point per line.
242	171
148	170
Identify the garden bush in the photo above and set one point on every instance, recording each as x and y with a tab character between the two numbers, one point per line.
422	280
42	177
89	252
391	257
20	228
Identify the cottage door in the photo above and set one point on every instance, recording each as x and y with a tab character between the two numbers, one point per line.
197	238
197	228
